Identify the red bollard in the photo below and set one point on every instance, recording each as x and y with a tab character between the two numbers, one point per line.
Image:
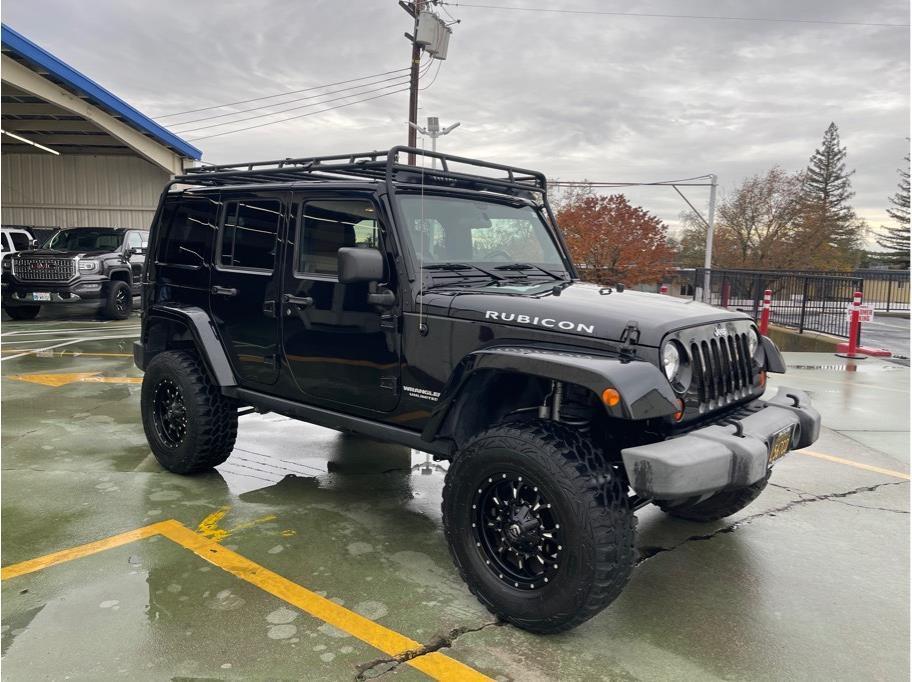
765	314
854	332
726	294
663	289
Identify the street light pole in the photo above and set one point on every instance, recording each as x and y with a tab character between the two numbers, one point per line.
710	229
433	131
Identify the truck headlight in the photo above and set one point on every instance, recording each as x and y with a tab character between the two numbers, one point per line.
753	342
88	266
671	360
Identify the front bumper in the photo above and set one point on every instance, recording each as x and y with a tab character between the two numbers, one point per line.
717	457
80	290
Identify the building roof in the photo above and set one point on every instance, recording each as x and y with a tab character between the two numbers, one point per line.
23	50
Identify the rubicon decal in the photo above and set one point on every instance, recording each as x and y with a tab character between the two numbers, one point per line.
548	322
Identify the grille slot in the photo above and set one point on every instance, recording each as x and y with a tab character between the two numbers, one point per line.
44	269
721	371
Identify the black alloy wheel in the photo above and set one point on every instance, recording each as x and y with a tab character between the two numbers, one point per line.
169	413
517	530
122	301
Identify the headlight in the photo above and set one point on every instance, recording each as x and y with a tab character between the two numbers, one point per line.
671	360
88	265
7	264
753	342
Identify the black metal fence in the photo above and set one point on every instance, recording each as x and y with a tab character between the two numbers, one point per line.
803	300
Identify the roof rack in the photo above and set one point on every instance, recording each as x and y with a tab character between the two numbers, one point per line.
377	166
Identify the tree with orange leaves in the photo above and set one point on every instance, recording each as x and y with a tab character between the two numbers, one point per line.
613	241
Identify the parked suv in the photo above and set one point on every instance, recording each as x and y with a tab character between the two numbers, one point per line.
14	239
440	309
101	265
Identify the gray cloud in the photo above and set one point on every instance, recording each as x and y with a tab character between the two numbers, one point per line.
597	97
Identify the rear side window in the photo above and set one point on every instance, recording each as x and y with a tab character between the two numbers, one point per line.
249	234
189	234
20	241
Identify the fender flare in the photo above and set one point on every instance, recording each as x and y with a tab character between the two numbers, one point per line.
116	269
198	322
645	392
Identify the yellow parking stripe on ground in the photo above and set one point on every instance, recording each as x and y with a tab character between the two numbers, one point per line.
390	642
62	379
47	560
857	465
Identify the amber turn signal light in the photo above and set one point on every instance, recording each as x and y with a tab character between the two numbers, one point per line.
762	377
611	397
679	415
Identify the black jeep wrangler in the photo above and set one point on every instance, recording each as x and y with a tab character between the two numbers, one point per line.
97	265
439	309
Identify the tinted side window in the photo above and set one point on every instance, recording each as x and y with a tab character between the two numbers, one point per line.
20	241
327	226
4	242
249	234
188	235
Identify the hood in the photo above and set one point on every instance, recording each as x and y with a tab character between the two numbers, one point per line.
54	253
582	309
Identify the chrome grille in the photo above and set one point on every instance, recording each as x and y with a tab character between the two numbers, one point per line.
44	269
722	371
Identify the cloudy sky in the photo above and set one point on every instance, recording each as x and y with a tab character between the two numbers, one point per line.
605	98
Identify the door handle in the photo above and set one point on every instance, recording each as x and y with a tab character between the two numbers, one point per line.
299	301
223	291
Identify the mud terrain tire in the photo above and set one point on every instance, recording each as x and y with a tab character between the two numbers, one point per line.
190	425
718	506
588	505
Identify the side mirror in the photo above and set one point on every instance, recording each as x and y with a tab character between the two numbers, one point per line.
360	265
33	243
136	251
145	245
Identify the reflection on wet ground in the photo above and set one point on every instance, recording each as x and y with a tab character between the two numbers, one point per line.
773	593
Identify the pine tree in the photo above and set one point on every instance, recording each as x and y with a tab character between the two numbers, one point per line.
830	230
895	240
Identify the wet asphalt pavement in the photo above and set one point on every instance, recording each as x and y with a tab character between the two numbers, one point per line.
811	582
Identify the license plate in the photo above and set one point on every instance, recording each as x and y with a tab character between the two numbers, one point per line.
41	296
780	444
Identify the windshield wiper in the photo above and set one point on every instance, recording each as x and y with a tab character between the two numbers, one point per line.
456	267
528	266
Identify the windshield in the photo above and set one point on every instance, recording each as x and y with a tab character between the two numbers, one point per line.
86	239
469	231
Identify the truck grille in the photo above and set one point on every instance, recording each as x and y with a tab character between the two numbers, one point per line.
722	371
44	269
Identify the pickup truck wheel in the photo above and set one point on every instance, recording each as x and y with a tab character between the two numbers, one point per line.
189	424
23	312
717	506
538	524
119	303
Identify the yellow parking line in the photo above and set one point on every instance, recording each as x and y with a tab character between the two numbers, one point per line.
390	642
857	465
47	560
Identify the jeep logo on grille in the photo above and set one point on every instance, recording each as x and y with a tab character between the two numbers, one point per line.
720	331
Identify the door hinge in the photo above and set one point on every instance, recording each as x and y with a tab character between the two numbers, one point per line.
388	321
390	383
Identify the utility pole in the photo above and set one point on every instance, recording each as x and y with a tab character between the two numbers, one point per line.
710	229
433	131
414	9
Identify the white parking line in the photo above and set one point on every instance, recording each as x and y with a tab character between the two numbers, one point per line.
59	330
67	343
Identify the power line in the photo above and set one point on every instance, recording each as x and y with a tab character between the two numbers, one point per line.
285	111
709	17
281	94
291	118
291	101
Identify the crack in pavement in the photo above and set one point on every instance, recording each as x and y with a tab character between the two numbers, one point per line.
804	493
647	553
382	666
